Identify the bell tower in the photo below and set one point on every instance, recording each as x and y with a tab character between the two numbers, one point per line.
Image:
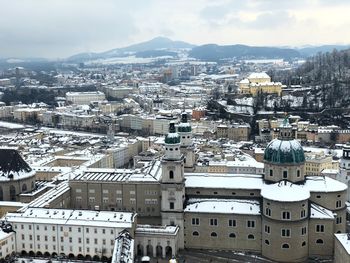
173	183
186	148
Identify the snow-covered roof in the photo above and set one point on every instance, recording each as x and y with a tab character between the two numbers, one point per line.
4	235
323	184
156	230
123	249
284	191
73	217
223	206
320	212
344	241
244	81
258	75
223	181
12	165
148	174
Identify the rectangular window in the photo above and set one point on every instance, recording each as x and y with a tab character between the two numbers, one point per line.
132	201
132	192
338	204
105	191
286	215
303	231
78	190
303	213
171	205
320	228
251	223
118	192
268	211
285	174
285	232
213	222
195	221
271	172
267	229
232	222
338	220
91	191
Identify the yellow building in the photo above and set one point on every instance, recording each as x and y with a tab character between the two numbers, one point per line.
315	163
259	83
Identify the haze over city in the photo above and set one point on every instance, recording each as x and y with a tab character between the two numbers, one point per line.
60	28
174	131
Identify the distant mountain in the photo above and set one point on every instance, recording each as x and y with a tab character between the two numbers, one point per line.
162	46
313	50
215	52
155	53
154	46
155	43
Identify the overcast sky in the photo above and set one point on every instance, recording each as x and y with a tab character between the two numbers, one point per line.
60	28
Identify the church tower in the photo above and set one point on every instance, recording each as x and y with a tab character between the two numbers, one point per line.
173	183
186	148
344	169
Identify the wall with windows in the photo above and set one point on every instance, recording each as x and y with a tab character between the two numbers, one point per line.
285	241
223	231
292	173
321	237
117	196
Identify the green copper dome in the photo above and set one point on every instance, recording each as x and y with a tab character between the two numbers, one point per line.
284	152
172	137
184	126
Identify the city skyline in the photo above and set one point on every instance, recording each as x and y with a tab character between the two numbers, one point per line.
58	29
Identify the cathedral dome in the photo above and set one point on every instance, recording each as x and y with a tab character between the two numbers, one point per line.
284	152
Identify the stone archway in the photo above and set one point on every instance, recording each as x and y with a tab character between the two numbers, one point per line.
12	193
140	250
149	250
159	251
168	251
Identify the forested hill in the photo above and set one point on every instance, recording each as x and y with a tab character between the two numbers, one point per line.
321	69
328	74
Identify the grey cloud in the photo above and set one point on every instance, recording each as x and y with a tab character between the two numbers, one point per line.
271	20
61	29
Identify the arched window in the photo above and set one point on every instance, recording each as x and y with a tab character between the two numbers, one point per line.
267	242
12	193
250	236
298	173
171	174
232	235
195	233
285	245
319	241
213	234
303	244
